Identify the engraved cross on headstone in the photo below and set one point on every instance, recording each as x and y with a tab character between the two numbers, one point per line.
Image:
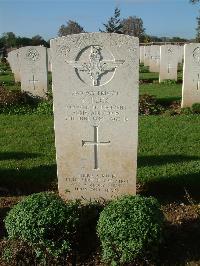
96	67
169	67
33	81
95	143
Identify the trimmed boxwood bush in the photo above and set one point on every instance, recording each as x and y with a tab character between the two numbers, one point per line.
196	108
46	222
186	111
129	228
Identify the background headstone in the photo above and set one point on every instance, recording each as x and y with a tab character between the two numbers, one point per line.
168	62
13	59
146	55
154	61
181	53
95	93
49	59
141	54
33	70
191	75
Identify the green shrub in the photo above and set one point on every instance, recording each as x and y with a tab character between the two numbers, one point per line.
17	110
46	222
128	228
170	112
186	111
196	108
45	107
169	81
8	98
148	105
18	103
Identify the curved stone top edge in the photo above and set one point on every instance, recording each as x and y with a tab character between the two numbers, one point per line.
95	34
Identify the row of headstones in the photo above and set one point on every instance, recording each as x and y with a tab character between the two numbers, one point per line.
30	66
95	93
165	58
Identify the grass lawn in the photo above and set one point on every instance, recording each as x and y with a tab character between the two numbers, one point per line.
149	76
27	156
169	152
163	92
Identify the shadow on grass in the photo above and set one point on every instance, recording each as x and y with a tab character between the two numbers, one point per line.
168	101
152	160
3	212
26	181
17	155
176	187
182	243
144	80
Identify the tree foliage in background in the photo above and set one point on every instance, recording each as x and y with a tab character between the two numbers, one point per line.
38	40
10	40
72	27
194	1
133	26
198	22
198	28
114	23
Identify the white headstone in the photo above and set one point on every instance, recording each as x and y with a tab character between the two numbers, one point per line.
13	59
154	61
141	54
181	53
33	70
191	75
49	59
146	55
168	62
95	93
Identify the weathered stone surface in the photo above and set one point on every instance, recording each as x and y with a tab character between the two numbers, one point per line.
95	92
13	59
49	59
168	62
154	61
191	75
33	70
141	54
180	53
146	55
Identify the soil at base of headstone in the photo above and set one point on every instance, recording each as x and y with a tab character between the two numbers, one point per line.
182	235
